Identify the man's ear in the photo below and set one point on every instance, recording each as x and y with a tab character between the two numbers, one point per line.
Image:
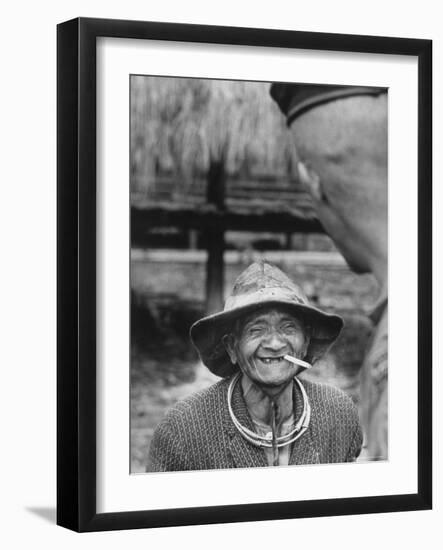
228	341
311	181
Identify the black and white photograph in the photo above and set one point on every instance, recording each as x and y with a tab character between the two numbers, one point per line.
206	208
235	207
258	274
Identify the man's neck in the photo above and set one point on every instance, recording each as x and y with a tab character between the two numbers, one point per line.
260	401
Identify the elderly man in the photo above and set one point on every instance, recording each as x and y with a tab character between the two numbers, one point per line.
260	413
340	133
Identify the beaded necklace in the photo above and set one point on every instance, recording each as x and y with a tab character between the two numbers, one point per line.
268	441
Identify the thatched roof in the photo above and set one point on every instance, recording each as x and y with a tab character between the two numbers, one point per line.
179	125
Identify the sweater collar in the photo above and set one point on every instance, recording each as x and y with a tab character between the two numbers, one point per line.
247	455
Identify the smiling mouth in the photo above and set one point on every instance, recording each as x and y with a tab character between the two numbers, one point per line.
272	360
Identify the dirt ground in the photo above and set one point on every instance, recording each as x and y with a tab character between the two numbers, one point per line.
168	296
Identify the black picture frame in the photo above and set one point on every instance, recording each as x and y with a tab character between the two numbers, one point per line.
76	273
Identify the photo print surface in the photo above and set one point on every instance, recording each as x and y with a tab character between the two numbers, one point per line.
258	274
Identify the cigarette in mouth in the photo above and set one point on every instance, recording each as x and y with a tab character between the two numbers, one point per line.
296	361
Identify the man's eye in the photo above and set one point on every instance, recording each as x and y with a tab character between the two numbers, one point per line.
290	327
255	330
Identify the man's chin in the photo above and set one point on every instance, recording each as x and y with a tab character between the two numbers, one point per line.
356	267
265	376
275	383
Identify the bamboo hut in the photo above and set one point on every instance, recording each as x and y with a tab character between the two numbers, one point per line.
209	156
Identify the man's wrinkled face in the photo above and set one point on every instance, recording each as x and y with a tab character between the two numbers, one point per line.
260	342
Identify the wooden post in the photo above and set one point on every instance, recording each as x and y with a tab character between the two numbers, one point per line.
288	241
215	195
192	239
215	272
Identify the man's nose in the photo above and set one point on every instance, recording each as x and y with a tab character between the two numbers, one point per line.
274	340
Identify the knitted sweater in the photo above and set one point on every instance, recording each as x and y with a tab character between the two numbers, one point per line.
198	433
